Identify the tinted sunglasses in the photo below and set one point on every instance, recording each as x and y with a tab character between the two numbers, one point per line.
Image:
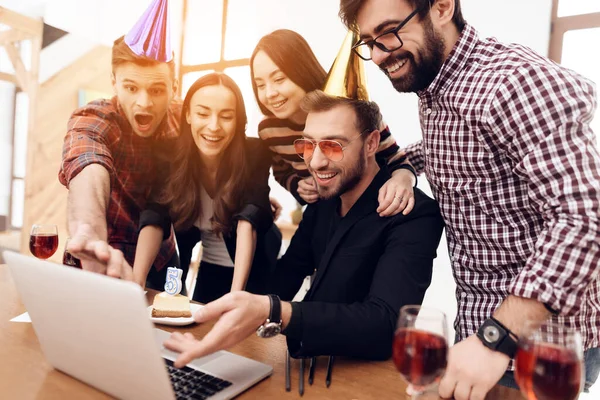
332	149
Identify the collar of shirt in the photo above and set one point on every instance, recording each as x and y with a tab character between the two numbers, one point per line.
454	64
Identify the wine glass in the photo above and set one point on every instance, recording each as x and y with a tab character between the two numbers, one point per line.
420	349
43	240
69	259
549	363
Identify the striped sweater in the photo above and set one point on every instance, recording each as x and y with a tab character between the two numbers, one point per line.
289	168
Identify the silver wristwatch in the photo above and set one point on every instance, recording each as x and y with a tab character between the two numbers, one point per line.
272	326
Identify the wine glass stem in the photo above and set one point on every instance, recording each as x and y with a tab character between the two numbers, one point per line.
424	393
420	395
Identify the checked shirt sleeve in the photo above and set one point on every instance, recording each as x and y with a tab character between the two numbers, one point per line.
414	155
86	142
540	119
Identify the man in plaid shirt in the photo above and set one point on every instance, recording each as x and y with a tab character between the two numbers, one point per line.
510	156
108	166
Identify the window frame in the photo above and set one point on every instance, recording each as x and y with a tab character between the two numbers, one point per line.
218	66
561	25
13	178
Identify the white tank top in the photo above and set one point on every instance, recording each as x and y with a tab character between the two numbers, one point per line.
214	250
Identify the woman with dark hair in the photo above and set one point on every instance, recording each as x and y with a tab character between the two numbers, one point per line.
283	69
215	190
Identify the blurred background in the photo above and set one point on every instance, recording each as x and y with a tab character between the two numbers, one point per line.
55	56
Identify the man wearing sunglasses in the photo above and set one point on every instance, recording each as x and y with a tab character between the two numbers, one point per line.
510	156
367	267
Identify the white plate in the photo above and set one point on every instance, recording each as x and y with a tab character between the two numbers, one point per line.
175	321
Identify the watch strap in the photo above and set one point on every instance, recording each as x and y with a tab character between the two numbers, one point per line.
507	342
275	313
508	346
411	169
510	343
503	326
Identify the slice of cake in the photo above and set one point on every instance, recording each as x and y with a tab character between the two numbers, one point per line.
166	305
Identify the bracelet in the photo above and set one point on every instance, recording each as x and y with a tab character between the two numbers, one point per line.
411	169
550	309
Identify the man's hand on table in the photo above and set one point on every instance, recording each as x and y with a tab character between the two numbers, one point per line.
239	314
97	255
472	370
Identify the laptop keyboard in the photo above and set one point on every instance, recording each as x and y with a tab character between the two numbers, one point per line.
192	384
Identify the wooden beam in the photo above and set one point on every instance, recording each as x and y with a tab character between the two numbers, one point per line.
561	25
184	15
556	40
12	35
223	29
20	71
217	66
33	79
582	21
30	26
9	78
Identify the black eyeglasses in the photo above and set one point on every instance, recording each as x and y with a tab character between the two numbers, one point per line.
388	41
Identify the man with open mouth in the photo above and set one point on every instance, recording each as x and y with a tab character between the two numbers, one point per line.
107	155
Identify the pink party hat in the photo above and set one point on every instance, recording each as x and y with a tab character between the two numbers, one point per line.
151	35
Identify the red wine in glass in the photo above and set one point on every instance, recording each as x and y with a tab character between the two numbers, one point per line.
43	245
421	357
549	362
420	349
549	372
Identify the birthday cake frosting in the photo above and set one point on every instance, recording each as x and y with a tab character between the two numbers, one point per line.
170	303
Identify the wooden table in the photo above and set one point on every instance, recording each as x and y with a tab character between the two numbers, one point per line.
25	374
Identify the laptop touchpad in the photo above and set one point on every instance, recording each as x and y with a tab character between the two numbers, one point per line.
229	366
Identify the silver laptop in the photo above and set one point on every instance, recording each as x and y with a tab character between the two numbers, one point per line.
97	329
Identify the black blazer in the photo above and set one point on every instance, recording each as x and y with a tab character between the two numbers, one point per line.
366	271
256	210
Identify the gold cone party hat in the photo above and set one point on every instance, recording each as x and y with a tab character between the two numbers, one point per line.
347	77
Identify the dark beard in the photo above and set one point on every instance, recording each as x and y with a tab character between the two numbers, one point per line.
351	180
420	76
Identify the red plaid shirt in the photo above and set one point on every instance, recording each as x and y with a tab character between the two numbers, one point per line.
99	133
510	156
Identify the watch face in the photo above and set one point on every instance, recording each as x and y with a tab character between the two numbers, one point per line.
269	330
491	334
